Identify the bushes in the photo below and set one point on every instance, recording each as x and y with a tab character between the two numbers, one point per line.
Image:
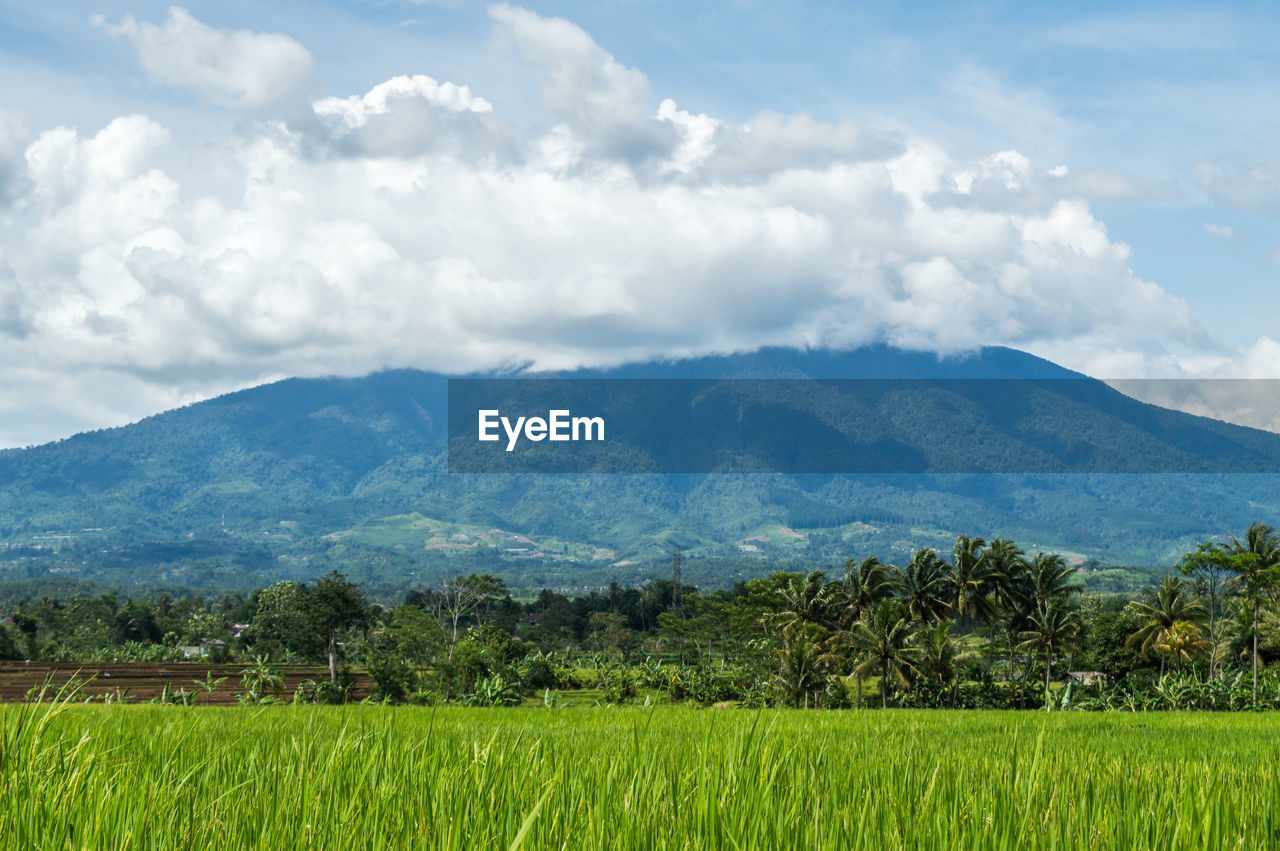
393	678
707	684
617	684
8	646
1230	691
495	690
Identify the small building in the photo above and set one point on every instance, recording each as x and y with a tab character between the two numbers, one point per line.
201	650
1086	678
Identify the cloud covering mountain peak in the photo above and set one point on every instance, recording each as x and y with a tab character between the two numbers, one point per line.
415	224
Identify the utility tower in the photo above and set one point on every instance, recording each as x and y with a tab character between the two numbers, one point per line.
677	582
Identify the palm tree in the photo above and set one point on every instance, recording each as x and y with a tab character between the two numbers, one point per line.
937	654
1050	578
1049	626
804	601
1182	640
799	669
1046	579
969	580
1256	564
922	585
883	645
1171	603
865	584
1007	579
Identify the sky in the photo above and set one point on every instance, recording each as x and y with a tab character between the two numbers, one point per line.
196	199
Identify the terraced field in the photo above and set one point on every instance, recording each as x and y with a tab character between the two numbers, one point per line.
142	681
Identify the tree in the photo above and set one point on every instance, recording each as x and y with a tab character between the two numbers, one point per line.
1007	579
400	649
1052	625
468	596
330	607
279	622
922	585
937	653
865	584
883	645
1211	565
804	601
1172	603
1256	565
8	647
799	669
1050	579
609	632
1182	640
1047	579
969	577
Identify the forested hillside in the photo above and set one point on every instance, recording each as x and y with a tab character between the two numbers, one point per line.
291	479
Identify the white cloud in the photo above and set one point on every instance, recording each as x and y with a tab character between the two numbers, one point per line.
1025	116
14	137
355	111
1220	231
1242	182
407	116
1163	29
413	226
235	67
1105	187
608	105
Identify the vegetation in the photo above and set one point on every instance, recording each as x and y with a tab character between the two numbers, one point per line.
986	626
291	480
659	777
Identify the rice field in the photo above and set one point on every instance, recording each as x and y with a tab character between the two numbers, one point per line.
144	776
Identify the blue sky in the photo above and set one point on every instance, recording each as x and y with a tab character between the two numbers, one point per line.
1154	125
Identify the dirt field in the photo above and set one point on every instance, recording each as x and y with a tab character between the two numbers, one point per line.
141	681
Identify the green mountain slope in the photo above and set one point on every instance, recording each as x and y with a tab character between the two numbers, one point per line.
289	479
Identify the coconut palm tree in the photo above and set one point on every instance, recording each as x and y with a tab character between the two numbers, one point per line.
799	668
804	601
1007	580
1171	604
969	580
1046	578
1049	626
923	585
883	645
937	654
1256	565
865	584
1050	579
1182	640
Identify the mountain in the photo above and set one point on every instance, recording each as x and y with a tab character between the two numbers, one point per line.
290	479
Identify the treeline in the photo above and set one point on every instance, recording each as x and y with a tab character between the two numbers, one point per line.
986	625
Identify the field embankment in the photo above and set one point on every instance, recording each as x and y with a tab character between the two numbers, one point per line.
143	681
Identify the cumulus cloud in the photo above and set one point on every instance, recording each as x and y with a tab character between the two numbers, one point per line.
1220	231
1242	388
607	105
412	225
235	67
407	116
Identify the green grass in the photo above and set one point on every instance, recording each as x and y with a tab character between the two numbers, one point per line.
666	777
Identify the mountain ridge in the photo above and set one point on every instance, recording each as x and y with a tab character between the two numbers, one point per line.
284	479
